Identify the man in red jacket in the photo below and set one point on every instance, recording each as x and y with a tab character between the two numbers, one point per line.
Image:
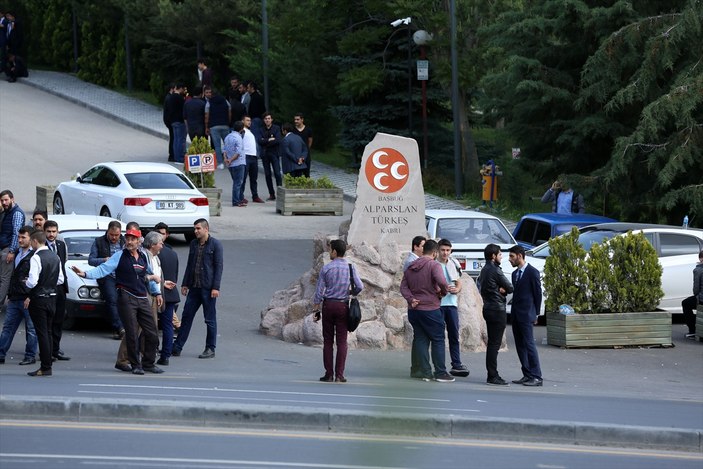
423	286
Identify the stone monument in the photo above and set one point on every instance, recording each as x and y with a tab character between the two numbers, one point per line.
390	198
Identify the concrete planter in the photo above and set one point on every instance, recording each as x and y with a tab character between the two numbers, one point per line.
214	197
609	329
291	201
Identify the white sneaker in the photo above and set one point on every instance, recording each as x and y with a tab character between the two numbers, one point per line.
220	166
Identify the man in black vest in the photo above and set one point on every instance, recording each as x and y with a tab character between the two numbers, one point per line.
12	221
103	248
58	247
44	278
132	273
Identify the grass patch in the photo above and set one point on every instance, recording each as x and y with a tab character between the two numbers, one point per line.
336	157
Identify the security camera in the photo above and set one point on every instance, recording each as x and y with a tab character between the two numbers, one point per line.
400	21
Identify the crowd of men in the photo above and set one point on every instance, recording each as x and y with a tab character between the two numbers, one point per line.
241	131
137	277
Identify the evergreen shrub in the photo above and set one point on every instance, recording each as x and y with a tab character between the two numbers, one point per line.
304	182
199	146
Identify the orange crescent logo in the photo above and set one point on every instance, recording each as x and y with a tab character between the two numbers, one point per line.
387	170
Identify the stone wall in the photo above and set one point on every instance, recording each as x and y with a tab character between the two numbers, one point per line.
384	323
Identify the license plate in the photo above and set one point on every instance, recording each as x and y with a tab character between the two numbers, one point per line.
162	205
478	265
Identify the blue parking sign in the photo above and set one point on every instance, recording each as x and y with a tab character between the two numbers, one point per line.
193	163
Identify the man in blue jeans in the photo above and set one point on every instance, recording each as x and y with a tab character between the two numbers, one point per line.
17	294
236	162
201	287
449	305
423	286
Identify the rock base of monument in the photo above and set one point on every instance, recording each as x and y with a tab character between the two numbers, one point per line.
384	324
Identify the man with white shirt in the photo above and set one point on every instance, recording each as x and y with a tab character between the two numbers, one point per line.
44	278
252	170
58	247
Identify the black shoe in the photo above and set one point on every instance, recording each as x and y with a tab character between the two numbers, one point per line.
28	361
327	379
118	334
162	361
533	382
123	367
340	379
444	378
175	353
459	370
153	369
2	360
497	382
521	380
61	356
137	371
207	353
40	372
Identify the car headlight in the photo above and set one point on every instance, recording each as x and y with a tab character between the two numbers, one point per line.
86	292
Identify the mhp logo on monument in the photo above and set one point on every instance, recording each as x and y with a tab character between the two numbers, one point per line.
204	163
390	198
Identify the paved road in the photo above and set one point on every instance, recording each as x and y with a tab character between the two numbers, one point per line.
116	446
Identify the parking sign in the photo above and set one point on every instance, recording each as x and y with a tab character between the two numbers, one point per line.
204	163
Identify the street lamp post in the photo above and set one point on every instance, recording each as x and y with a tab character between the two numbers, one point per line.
421	38
395	24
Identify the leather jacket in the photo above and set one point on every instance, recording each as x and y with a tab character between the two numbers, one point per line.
489	281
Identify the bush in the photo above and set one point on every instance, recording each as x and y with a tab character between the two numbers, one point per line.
303	182
622	275
197	147
565	279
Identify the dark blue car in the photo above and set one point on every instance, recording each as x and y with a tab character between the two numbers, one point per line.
536	228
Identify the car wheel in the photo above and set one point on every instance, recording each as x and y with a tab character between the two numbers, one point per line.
59	208
105	212
190	236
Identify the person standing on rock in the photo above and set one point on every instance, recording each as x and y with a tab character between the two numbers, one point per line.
332	300
423	286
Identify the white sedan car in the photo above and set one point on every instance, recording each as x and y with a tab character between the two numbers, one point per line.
469	232
79	233
676	247
147	193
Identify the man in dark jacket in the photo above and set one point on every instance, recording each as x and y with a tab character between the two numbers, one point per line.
201	286
527	299
194	114
269	141
16	311
494	287
218	113
423	286
169	269
690	303
58	247
293	152
102	250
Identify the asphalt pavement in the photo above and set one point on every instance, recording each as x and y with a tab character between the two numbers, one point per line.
642	397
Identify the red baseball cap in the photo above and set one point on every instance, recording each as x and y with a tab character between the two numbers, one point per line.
133	232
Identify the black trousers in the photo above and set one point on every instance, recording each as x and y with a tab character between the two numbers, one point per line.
136	312
688	305
57	322
252	173
170	142
495	325
271	163
41	310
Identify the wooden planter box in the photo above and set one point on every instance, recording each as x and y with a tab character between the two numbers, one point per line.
214	198
699	322
291	201
609	329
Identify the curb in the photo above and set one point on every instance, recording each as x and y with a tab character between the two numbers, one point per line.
152	412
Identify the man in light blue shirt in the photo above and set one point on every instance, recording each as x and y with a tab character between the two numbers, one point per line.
449	305
236	161
563	198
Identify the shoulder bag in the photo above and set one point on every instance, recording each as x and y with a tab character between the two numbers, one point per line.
354	316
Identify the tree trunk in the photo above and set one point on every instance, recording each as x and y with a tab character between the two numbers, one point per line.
469	156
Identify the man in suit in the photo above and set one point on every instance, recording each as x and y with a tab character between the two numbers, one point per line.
58	247
293	152
527	298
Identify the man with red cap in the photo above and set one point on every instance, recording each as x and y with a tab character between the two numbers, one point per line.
132	272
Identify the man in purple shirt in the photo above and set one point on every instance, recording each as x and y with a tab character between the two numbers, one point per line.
423	286
332	293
